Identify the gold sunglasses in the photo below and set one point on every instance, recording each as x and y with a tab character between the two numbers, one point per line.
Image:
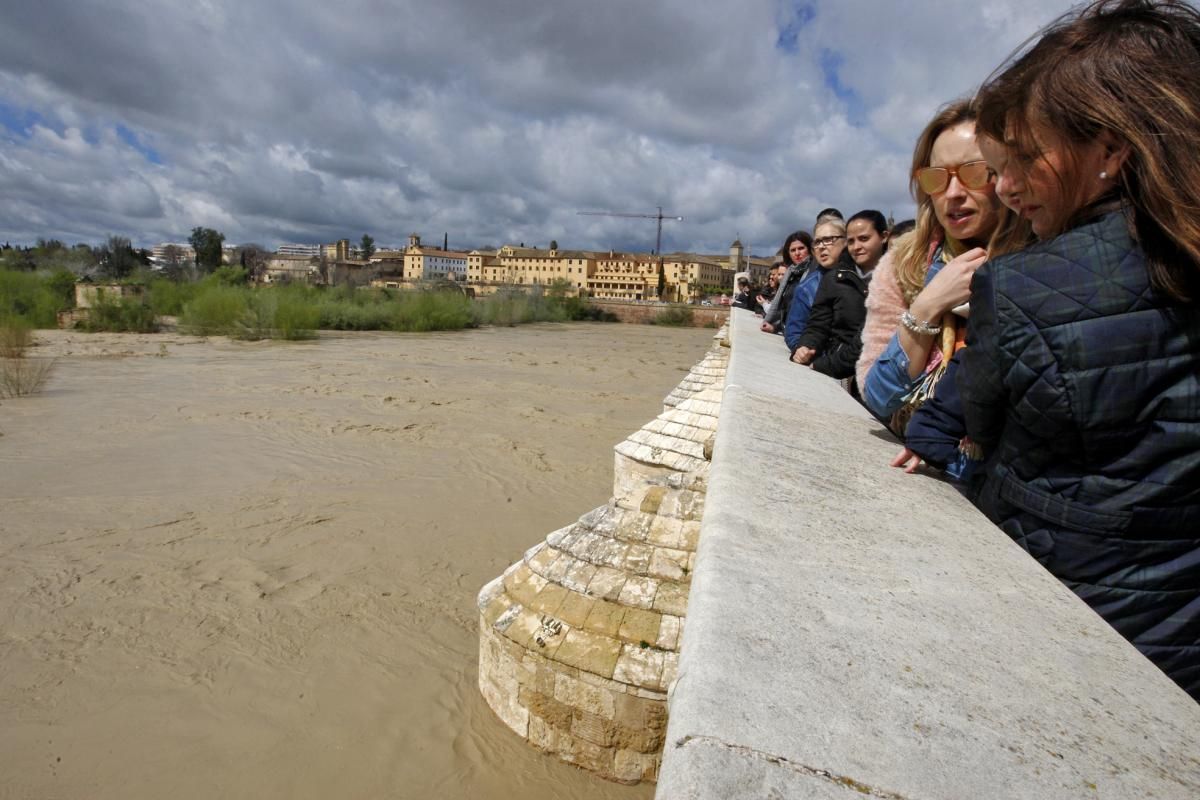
935	180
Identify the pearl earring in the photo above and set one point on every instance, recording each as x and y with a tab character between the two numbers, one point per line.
1104	175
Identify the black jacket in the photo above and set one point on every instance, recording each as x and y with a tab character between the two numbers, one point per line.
835	325
1083	385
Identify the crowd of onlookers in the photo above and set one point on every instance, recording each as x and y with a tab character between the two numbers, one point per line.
1034	331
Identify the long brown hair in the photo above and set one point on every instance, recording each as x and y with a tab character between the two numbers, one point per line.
911	251
1131	69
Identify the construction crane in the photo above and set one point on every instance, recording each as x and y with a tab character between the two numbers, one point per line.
659	216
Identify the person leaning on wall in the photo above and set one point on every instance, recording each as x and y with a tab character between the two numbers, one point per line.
1081	375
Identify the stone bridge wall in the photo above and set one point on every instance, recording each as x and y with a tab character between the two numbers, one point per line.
854	631
702	316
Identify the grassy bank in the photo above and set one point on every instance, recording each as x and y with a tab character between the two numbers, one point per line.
222	304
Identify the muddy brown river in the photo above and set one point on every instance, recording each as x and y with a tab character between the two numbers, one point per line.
248	570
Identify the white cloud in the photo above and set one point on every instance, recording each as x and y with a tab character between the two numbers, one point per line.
492	122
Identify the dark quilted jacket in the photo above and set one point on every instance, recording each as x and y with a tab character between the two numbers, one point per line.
1083	386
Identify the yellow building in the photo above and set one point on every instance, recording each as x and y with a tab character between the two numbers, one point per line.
689	277
625	276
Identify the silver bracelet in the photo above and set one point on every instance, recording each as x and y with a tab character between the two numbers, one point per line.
917	326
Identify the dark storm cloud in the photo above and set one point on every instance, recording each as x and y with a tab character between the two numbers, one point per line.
493	121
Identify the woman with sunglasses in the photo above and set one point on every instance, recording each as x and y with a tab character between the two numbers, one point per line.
1082	378
910	329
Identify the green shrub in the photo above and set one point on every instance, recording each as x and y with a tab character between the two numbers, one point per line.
28	296
673	315
214	311
168	297
120	315
296	317
61	284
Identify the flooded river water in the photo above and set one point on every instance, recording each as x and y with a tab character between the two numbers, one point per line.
235	570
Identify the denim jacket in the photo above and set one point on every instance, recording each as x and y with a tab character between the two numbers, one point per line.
888	383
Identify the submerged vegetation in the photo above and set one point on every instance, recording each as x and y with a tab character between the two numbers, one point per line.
19	374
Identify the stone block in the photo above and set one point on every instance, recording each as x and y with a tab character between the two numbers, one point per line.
653	499
523	627
605	618
575	608
611	553
557	715
668	633
541	735
548	600
640	666
672	598
543	560
641	724
525	591
545	677
607	583
561	567
589	651
594	729
587	754
627	765
670	564
637	558
666	532
579	576
586	697
640	626
670	669
517	573
495	609
506	617
638	592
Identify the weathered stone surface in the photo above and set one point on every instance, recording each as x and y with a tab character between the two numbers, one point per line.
584	606
859	632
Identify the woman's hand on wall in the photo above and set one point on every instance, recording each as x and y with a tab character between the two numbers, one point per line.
909	461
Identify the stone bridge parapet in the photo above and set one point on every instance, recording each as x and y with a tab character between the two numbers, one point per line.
854	631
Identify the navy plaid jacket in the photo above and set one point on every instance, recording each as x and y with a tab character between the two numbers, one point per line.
1083	385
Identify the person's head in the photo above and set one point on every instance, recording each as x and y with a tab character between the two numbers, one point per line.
829	242
1106	106
956	200
867	238
950	177
743	284
797	247
828	213
902	227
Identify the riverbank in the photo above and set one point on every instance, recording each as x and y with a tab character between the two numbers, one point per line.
248	568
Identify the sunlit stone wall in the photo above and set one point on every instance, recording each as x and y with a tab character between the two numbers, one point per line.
579	640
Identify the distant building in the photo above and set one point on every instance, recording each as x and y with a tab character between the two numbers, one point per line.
625	276
182	252
306	250
431	263
282	268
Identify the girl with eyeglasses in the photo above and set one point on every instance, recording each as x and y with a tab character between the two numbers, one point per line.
829	248
832	339
911	330
1082	376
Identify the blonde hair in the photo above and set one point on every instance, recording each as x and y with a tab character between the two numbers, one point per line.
911	252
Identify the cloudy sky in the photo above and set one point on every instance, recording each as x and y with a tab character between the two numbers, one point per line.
495	122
